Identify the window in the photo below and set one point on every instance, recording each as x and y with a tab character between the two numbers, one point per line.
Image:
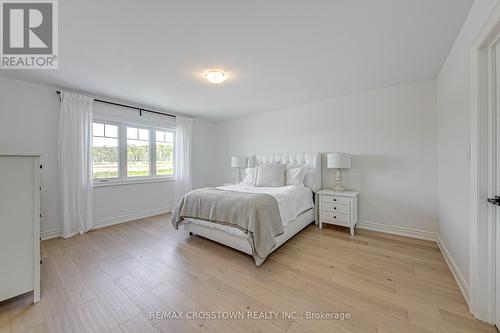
138	152
164	153
123	152
105	151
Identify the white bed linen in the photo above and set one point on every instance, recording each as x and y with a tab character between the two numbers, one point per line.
292	200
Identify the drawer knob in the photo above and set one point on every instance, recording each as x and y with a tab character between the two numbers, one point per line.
334	207
334	199
335	217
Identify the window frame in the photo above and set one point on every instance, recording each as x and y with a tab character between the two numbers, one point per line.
119	151
153	146
123	177
152	173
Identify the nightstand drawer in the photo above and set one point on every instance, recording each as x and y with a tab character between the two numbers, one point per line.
329	217
334	208
339	208
334	199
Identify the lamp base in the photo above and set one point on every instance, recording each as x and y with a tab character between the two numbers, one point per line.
238	180
339	186
339	189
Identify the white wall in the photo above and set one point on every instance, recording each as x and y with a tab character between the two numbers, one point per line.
29	120
453	137
390	132
204	147
128	202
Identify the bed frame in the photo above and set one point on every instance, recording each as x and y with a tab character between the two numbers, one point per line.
239	241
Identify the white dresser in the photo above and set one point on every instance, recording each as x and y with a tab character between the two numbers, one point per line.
340	208
20	225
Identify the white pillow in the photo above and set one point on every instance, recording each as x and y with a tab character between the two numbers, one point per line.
272	175
295	176
309	177
249	176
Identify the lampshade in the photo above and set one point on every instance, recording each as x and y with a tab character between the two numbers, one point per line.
238	162
338	161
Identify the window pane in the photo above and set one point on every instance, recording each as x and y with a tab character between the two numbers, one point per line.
132	133
160	136
111	131
164	155
137	155
97	129
143	134
105	158
169	137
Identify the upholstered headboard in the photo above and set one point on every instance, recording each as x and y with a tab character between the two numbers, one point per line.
310	159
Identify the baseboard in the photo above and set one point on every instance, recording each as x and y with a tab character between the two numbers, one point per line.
55	233
130	217
49	234
400	231
457	274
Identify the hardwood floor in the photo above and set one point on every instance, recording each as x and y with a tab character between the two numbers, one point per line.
109	280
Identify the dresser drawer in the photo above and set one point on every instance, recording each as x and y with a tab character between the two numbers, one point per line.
335	207
334	199
330	217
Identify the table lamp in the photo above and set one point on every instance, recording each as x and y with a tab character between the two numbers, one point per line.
238	162
338	161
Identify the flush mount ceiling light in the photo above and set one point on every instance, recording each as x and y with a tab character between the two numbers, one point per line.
215	76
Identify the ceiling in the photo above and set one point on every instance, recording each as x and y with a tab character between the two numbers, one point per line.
278	53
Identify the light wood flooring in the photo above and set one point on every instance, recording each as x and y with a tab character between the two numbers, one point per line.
109	280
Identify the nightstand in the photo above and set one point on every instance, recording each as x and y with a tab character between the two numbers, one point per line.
339	208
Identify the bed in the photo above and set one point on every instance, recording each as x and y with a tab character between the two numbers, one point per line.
295	203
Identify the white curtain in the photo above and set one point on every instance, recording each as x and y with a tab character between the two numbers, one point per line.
183	143
75	163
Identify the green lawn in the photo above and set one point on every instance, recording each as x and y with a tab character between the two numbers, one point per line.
105	170
135	169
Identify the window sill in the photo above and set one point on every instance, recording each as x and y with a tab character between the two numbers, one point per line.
133	181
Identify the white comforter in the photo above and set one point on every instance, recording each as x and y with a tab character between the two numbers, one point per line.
292	200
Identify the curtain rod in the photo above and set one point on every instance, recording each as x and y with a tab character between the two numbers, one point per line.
127	106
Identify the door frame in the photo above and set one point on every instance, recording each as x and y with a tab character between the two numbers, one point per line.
483	148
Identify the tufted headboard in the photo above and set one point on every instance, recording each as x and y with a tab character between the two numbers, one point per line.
310	159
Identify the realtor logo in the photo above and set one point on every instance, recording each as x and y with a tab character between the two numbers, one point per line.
29	37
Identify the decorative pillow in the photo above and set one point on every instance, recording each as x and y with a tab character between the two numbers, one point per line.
295	176
272	175
249	176
309	178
